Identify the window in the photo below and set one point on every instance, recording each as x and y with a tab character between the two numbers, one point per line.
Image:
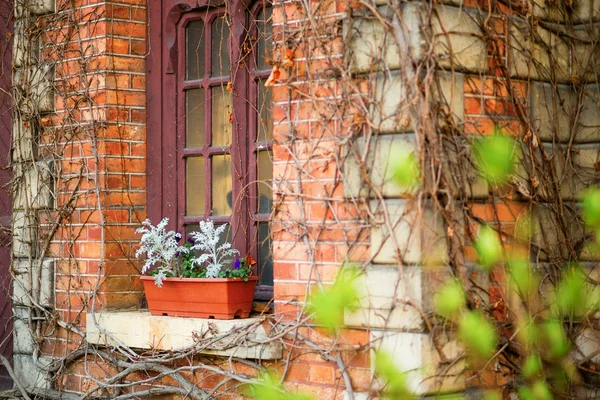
217	119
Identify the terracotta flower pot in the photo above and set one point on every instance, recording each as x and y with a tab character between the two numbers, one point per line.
220	298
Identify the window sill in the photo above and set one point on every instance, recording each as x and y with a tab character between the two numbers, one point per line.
140	330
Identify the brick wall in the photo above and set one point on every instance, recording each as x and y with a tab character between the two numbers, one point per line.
340	118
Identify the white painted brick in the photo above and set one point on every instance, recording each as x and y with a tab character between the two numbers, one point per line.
23	342
23	230
372	47
29	281
31	374
389	109
459	39
379	160
392	299
548	235
34	185
381	152
579	11
452	95
389	112
36	86
419	233
555	59
587	343
23	141
173	333
36	7
586	160
395	299
21	43
552	112
41	7
415	355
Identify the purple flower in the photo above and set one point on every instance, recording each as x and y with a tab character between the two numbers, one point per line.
190	240
237	263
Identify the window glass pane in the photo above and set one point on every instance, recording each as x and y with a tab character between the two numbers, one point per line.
195	186
221	116
265	178
195	57
265	259
265	121
264	43
221	185
219	49
195	118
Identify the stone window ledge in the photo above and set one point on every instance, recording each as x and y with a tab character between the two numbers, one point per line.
140	330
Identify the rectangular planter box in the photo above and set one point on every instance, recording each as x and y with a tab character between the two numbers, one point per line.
219	298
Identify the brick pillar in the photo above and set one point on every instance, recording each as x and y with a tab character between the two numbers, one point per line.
96	138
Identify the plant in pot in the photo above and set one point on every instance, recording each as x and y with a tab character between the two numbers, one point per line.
193	279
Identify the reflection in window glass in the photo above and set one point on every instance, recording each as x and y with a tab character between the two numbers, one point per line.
265	120
265	178
195	186
264	43
221	185
265	259
195	118
221	116
219	51
195	49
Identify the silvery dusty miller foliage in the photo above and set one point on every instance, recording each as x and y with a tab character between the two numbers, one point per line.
162	249
207	241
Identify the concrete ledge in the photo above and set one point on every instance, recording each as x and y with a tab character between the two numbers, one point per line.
140	330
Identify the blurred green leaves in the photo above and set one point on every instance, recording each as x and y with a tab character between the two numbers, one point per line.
327	306
488	246
267	387
477	334
522	276
532	367
554	339
495	157
538	391
571	294
450	300
406	171
590	208
396	387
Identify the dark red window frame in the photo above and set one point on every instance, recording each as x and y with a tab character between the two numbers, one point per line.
166	106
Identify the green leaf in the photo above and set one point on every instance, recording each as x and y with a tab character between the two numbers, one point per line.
385	369
527	333
327	306
571	293
477	334
525	393
492	395
267	387
590	208
488	246
524	278
495	157
531	367
406	171
450	299
541	391
555	339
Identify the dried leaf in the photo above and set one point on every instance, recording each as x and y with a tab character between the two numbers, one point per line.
275	73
